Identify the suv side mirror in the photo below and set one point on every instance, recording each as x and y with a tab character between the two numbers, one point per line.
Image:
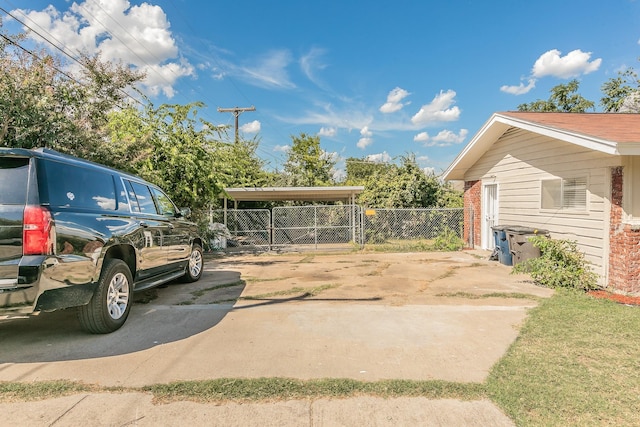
185	212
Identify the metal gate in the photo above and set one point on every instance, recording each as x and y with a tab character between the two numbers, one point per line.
318	224
335	224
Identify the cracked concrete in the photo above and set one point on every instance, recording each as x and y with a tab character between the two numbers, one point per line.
366	316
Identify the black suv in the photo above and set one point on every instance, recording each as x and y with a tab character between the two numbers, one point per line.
77	234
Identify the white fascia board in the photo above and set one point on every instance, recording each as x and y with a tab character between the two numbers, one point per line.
498	124
478	145
582	140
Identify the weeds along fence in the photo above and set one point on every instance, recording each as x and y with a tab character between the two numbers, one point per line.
321	225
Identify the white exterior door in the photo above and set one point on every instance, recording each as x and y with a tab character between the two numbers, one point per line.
489	214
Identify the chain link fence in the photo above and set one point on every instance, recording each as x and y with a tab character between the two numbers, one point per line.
388	225
318	224
247	227
337	224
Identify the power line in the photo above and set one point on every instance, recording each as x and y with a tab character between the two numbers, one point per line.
24	49
58	47
236	113
128	95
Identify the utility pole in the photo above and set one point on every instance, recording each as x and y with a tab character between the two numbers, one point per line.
236	113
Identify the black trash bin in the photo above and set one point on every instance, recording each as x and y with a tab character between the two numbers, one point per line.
520	246
502	244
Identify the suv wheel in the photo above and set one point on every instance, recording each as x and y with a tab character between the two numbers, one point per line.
194	268
111	302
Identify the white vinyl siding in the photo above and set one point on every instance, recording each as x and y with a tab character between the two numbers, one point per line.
519	160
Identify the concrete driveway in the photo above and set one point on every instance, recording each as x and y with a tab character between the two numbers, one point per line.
366	316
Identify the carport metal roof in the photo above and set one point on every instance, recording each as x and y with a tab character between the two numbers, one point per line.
305	194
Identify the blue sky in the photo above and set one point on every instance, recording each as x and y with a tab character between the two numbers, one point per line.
373	78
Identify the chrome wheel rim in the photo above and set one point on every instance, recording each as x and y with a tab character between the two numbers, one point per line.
195	263
118	296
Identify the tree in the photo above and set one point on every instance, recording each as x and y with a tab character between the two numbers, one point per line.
170	147
308	165
621	93
404	186
359	170
240	166
564	98
42	106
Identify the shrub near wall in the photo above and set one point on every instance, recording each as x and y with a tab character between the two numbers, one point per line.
560	265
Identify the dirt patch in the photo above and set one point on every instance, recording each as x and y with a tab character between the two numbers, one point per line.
386	278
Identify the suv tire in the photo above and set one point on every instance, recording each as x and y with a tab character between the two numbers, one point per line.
195	266
111	301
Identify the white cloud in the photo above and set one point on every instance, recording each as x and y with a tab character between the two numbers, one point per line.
439	110
383	157
328	132
282	148
521	89
421	137
366	139
269	70
364	143
429	170
137	35
445	138
333	156
394	99
253	127
573	64
311	62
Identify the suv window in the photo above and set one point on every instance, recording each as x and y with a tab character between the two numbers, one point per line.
140	196
14	172
165	205
79	187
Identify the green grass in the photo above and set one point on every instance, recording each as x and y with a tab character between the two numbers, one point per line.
399	246
14	391
260	280
576	362
270	389
469	295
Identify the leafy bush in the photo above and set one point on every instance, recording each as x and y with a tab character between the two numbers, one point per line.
448	240
560	265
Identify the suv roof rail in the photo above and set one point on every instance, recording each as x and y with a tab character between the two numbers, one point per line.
53	152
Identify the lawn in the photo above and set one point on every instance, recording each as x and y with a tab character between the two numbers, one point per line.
576	362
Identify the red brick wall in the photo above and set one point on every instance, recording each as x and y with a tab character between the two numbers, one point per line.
472	202
624	242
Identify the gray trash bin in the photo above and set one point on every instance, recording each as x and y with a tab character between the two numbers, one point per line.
502	244
520	246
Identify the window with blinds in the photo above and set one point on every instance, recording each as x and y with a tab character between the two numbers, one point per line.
570	194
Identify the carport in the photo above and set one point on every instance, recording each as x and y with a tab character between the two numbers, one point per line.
281	231
345	194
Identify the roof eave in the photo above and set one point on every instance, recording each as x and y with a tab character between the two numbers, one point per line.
499	123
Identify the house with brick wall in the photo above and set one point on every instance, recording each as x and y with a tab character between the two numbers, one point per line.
576	175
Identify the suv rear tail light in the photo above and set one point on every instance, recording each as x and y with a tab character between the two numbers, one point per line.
37	231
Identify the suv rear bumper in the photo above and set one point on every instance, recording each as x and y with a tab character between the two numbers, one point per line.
45	284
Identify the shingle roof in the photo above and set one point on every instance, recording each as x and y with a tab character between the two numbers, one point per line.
614	127
610	133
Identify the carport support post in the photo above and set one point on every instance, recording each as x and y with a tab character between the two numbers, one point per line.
315	225
352	200
225	212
